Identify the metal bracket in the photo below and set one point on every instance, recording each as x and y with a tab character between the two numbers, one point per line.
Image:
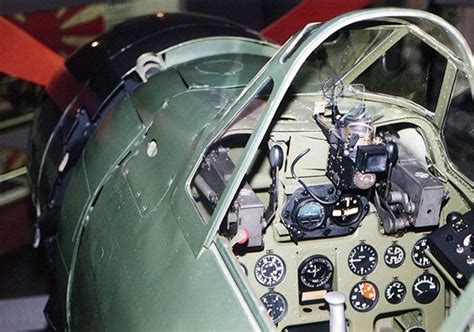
149	64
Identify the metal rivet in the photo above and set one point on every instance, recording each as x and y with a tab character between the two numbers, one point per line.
152	149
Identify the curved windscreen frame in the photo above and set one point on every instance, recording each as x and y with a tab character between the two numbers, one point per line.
283	69
457	132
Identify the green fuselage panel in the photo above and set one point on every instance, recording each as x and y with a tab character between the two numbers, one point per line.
125	249
138	273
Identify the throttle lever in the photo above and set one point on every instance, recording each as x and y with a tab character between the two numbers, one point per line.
337	318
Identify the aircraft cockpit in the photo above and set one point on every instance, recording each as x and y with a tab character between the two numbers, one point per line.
344	212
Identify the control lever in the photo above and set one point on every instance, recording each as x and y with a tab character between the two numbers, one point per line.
337	319
353	141
392	158
276	159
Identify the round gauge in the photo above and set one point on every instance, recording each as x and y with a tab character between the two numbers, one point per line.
418	253
270	270
395	292
276	305
310	215
416	329
347	210
425	288
316	272
362	259
394	256
364	296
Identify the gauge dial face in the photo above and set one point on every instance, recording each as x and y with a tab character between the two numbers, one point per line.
270	270
416	329
347	210
418	253
316	272
364	296
276	305
394	256
395	292
426	288
362	259
310	215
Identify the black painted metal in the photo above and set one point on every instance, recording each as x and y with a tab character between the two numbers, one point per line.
101	71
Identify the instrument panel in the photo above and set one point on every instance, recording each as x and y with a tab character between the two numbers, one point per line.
346	223
371	269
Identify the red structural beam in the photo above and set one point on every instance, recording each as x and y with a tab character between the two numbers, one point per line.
24	57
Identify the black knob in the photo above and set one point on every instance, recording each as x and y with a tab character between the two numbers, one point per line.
392	152
452	217
275	157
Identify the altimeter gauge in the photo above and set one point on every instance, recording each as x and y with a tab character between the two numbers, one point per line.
362	259
270	270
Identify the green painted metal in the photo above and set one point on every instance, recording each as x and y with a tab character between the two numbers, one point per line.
136	253
75	204
138	273
212	46
97	161
156	111
149	98
462	315
222	71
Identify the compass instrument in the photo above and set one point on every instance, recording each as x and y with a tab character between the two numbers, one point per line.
347	210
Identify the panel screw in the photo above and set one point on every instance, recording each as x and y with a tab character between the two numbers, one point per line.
152	149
